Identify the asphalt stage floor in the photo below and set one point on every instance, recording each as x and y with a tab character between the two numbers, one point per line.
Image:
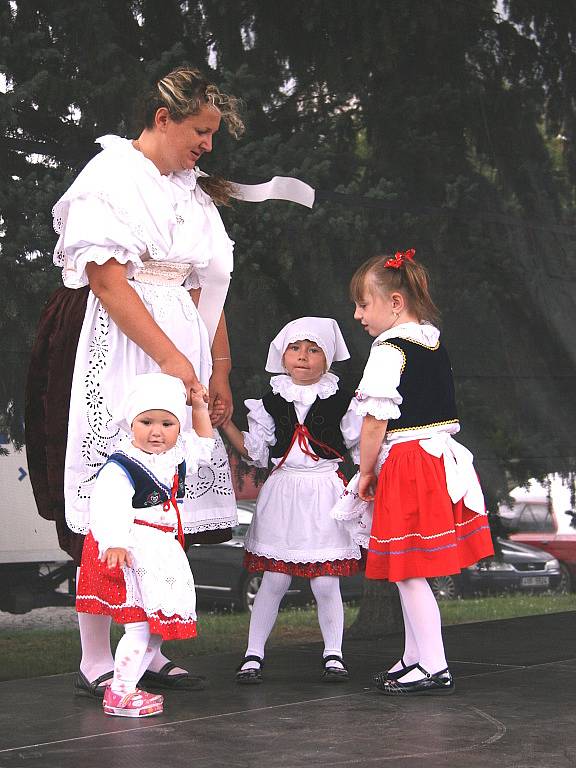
515	706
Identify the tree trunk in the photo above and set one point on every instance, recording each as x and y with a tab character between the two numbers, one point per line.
380	611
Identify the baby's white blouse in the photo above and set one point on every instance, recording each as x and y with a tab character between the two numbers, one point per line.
159	577
292	521
169	235
111	512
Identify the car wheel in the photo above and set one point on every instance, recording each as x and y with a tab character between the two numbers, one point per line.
445	587
565	583
250	586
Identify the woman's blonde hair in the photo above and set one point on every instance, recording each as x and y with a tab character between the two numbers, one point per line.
408	277
184	92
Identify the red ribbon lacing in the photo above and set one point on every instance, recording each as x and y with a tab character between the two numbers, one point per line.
304	439
172	502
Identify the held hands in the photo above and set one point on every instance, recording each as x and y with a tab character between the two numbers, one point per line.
220	404
367	486
199	398
116	556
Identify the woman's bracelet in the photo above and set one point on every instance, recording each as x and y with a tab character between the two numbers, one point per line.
220	358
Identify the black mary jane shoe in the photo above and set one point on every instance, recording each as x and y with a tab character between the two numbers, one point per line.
440	682
335	674
380	677
249	676
163	680
94	689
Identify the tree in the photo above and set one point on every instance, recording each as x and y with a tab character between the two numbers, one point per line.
430	125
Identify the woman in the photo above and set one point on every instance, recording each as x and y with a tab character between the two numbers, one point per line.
146	263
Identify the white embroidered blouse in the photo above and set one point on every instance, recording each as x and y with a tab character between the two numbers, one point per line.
121	206
378	395
111	513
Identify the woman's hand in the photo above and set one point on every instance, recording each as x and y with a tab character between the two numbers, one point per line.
367	486
116	556
220	404
108	282
179	366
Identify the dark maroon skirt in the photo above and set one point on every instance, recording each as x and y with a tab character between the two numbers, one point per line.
48	389
47	406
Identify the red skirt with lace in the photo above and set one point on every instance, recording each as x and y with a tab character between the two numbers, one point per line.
257	564
102	590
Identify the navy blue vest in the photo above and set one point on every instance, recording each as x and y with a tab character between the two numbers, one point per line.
322	420
148	490
426	386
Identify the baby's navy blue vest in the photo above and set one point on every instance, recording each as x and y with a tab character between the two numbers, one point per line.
426	386
148	490
322	420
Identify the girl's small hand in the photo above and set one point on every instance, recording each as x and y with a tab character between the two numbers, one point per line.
116	556
217	412
367	486
199	397
221	404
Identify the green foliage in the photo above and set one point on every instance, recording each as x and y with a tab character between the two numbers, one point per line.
430	125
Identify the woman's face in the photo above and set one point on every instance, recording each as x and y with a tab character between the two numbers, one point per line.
184	143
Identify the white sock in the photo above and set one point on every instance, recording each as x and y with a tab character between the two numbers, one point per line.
410	655
264	612
423	614
95	640
326	590
135	649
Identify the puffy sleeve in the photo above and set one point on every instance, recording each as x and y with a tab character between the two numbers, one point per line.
350	427
377	393
92	230
197	450
261	433
111	511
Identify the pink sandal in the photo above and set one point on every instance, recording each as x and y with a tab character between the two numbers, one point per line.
135	704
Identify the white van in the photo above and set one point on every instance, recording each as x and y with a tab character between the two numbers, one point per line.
33	568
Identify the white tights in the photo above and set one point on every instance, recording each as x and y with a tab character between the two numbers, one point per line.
422	628
133	654
326	590
96	652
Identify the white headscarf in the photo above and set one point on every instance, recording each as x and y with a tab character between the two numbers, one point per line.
152	392
322	330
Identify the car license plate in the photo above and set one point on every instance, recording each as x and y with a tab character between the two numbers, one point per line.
535	581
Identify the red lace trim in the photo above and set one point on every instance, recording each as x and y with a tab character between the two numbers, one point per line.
256	563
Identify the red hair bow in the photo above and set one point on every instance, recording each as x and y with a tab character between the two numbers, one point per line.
399	258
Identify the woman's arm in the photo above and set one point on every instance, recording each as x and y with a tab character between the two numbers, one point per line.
371	437
220	404
221	401
108	282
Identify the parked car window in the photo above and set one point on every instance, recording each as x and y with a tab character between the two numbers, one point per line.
239	532
534	517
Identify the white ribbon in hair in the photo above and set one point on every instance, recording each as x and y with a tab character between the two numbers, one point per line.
278	188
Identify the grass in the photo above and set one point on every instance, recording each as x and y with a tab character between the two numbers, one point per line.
33	652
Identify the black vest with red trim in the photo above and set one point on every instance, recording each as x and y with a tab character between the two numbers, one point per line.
148	490
426	386
322	421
